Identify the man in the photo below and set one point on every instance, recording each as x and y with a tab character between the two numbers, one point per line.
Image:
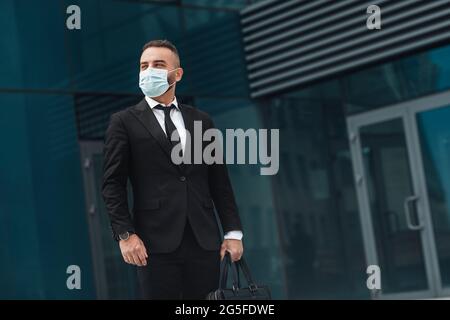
173	236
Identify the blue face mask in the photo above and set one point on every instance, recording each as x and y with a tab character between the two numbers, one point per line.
153	81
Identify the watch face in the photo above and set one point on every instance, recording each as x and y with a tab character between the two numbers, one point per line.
124	236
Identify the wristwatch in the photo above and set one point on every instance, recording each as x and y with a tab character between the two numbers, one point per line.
125	235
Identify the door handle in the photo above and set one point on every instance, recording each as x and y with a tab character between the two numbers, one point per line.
411	226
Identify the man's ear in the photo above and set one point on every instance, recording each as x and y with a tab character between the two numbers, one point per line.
179	74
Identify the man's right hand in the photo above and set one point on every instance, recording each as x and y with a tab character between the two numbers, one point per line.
133	251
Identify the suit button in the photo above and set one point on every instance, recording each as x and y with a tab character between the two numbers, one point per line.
182	178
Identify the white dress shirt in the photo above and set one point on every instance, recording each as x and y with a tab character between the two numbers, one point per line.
177	119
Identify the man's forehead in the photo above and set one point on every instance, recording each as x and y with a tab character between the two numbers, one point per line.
155	53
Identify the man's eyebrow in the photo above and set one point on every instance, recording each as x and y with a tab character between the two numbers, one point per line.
154	61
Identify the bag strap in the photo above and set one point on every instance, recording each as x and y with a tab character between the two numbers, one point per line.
242	264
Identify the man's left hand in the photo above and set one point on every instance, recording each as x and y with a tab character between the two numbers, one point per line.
234	247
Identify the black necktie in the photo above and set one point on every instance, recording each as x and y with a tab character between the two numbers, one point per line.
168	124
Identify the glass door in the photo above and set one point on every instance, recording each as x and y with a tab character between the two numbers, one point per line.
430	119
401	162
394	218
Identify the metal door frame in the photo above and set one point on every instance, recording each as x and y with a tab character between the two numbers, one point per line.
407	112
436	101
87	150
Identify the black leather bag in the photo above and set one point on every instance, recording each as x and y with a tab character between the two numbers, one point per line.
251	292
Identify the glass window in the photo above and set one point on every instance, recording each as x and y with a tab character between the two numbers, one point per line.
33	54
104	54
254	196
396	81
217	4
316	207
211	55
41	199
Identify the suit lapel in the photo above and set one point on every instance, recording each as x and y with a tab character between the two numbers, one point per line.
145	115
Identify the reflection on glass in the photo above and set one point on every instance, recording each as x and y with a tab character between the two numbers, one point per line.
388	178
316	208
434	133
120	277
254	198
396	81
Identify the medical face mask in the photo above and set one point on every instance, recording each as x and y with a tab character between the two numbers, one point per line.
153	82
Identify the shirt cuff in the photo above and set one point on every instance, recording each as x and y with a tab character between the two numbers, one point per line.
234	235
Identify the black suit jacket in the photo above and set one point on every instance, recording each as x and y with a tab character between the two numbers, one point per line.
164	194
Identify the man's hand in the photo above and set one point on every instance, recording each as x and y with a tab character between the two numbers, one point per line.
234	247
133	251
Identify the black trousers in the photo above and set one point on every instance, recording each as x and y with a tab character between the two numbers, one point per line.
190	272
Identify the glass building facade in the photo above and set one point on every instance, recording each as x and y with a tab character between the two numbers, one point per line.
309	231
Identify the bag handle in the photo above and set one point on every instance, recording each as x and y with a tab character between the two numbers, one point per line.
235	266
224	265
242	264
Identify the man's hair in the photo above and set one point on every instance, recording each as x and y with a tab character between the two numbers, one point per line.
162	44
